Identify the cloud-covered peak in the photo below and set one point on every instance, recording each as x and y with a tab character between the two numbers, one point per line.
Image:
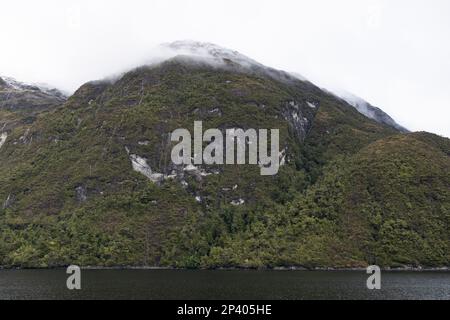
217	56
369	110
208	51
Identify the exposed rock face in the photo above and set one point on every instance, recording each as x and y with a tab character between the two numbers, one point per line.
297	118
8	202
361	105
81	193
140	165
237	202
3	137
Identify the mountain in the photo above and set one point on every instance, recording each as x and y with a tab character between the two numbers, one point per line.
19	96
91	181
20	103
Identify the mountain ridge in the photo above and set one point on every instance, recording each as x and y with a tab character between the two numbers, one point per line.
370	111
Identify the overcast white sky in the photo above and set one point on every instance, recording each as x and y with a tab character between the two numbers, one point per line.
393	53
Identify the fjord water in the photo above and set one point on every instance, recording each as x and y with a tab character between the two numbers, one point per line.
234	284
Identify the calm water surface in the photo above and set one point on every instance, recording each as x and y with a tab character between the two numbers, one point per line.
178	284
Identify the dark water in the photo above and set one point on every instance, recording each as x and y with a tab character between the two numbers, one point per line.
176	284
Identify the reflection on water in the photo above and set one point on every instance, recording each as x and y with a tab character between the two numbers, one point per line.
236	284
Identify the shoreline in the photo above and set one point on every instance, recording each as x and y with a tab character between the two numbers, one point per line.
328	269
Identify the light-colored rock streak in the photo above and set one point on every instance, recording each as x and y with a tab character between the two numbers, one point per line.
238	202
311	105
3	137
140	165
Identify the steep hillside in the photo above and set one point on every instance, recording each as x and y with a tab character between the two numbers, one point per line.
91	182
79	164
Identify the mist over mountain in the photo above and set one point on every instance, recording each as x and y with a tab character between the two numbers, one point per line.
370	111
89	180
220	57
